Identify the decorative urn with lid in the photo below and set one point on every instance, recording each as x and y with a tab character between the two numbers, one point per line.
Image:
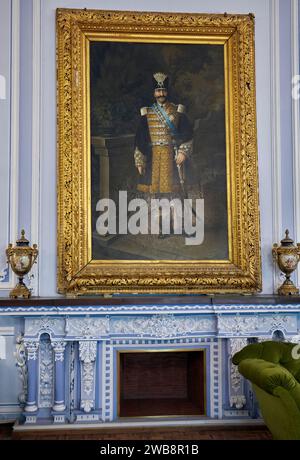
21	259
287	257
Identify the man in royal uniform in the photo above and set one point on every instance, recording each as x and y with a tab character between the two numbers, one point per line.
163	143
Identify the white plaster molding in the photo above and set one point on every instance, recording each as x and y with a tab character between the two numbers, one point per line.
220	373
31	347
283	323
111	384
14	132
213	414
111	311
296	123
237	396
59	347
235	326
108	381
88	351
52	326
72	386
163	326
256	325
36	144
58	408
46	374
103	380
87	327
275	131
87	356
21	363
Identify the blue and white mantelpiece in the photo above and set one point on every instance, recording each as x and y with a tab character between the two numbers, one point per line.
66	349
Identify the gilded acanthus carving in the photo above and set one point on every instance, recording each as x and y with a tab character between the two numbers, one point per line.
95	19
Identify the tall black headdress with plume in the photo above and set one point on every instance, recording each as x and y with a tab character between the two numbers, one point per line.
160	81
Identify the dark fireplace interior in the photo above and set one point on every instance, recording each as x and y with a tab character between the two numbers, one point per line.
162	384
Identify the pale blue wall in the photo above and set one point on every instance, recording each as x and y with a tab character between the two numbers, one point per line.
286	116
25	144
47	243
10	381
47	258
5	61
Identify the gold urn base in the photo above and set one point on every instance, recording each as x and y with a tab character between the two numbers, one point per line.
20	291
288	288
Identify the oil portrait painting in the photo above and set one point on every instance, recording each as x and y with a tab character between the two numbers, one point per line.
127	135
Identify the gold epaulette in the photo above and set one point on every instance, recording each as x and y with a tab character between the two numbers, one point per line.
144	111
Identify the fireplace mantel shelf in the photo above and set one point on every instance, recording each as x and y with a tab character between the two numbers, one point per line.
82	338
149	304
154	299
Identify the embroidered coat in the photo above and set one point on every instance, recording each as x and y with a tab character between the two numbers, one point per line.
156	145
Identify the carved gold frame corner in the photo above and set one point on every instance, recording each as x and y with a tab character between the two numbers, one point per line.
77	272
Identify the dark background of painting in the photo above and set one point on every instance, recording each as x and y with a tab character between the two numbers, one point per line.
121	83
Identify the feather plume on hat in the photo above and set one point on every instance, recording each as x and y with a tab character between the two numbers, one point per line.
160	80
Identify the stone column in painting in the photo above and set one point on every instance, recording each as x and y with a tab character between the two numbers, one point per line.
115	155
59	362
32	375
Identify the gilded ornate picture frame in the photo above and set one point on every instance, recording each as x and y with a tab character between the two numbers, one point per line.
106	64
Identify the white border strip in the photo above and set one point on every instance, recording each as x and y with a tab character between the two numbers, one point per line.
220	370
139	423
36	129
14	131
212	382
7	331
295	37
10	409
275	129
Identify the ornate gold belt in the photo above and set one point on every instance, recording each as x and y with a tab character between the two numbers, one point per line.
162	143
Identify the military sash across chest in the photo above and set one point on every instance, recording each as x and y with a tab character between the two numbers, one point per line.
160	111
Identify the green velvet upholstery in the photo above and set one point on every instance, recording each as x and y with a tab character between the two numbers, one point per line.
275	376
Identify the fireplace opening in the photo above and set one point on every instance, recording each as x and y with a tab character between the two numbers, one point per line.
167	383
